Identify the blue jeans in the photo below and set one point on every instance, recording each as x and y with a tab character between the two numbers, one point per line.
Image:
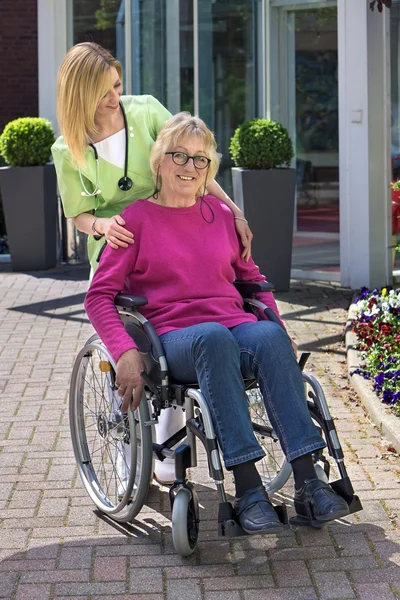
218	358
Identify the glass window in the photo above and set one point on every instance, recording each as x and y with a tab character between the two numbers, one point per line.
304	92
103	22
162	51
227	49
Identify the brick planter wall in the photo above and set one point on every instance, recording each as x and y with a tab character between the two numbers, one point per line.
18	60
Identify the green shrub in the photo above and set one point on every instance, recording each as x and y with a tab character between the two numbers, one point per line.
261	144
27	142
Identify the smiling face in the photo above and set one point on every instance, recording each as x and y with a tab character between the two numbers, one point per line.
109	104
183	181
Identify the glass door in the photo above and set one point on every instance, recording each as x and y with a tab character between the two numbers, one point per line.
162	51
306	101
226	59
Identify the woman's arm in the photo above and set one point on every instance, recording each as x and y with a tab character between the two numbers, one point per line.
107	282
112	229
242	227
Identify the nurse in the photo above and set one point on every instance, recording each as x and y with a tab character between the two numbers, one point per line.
102	162
106	138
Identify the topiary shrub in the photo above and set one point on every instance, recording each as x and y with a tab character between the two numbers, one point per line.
261	144
27	142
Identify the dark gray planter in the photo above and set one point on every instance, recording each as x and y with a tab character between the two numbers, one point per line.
29	196
267	199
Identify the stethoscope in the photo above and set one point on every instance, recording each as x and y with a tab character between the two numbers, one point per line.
125	183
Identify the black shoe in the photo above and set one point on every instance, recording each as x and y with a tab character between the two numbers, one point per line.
317	503
256	513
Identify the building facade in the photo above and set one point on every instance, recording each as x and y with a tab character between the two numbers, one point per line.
328	70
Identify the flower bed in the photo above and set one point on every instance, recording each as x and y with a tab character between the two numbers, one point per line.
377	327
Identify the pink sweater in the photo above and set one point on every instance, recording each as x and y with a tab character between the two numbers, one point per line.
184	266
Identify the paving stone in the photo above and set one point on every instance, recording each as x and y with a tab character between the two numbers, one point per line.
145	581
184	589
128	597
75	558
241	582
33	592
281	594
334	586
293	574
372	591
222	596
7	584
81	589
112	569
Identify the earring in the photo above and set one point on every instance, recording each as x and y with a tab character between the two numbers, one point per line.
158	184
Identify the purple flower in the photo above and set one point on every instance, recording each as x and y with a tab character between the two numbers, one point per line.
387	397
395	398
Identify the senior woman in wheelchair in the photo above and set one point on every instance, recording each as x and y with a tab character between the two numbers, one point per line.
185	260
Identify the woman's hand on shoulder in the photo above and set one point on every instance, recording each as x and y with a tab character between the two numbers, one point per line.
114	231
244	232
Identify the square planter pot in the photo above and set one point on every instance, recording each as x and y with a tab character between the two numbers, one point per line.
267	199
29	196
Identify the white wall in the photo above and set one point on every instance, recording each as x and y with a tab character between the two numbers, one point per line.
52	42
364	110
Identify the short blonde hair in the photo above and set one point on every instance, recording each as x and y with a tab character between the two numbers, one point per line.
83	79
176	130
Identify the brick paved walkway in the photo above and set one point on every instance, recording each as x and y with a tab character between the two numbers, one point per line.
52	545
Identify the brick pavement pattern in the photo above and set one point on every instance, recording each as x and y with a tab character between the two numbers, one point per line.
54	546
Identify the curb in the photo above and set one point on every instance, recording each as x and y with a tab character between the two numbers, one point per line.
388	424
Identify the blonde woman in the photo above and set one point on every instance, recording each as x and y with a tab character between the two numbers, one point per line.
102	160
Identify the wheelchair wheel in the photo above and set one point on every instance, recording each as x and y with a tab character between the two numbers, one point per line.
113	451
274	469
185	520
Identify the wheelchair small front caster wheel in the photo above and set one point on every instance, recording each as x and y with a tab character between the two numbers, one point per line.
185	521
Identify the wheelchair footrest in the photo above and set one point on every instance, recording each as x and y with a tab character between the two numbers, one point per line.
344	489
228	525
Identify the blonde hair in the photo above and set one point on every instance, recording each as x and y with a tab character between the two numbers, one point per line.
83	79
176	130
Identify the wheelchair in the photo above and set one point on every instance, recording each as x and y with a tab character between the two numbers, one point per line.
115	451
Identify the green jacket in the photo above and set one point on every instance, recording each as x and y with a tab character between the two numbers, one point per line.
145	117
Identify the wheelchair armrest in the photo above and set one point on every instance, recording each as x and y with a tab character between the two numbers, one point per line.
129	302
248	289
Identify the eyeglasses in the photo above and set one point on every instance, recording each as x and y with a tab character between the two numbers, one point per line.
181	158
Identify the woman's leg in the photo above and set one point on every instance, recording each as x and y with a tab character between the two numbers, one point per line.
209	354
266	354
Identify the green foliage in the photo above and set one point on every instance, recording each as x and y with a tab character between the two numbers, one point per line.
261	144
27	142
106	14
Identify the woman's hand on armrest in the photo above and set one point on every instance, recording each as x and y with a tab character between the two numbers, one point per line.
129	380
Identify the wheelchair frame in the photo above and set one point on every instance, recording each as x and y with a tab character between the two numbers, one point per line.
162	394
